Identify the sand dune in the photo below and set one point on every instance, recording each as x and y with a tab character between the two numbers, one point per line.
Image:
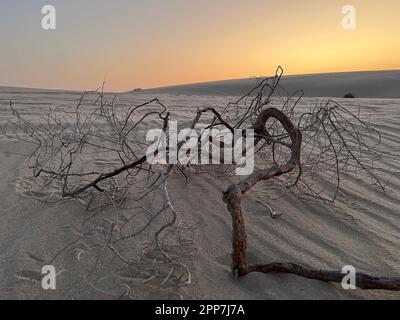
363	229
365	84
371	84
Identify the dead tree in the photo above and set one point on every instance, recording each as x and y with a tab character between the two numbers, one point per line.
290	145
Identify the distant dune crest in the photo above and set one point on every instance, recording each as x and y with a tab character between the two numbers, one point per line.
368	84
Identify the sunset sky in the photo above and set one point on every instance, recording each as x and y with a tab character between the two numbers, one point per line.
164	42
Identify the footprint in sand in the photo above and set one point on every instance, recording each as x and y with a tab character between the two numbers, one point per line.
29	275
28	187
35	258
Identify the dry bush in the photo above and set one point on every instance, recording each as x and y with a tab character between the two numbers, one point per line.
327	142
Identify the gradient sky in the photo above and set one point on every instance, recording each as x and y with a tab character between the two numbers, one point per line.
136	43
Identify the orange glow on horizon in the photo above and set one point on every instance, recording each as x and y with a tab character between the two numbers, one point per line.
191	42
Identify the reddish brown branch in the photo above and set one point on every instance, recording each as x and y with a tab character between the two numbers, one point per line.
233	198
363	281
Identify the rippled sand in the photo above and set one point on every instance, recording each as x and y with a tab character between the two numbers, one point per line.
362	230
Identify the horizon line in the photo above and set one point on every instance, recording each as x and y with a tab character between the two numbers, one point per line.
194	83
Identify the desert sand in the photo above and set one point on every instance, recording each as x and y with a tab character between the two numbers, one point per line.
362	228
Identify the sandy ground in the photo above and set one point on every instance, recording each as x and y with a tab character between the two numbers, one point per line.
362	230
